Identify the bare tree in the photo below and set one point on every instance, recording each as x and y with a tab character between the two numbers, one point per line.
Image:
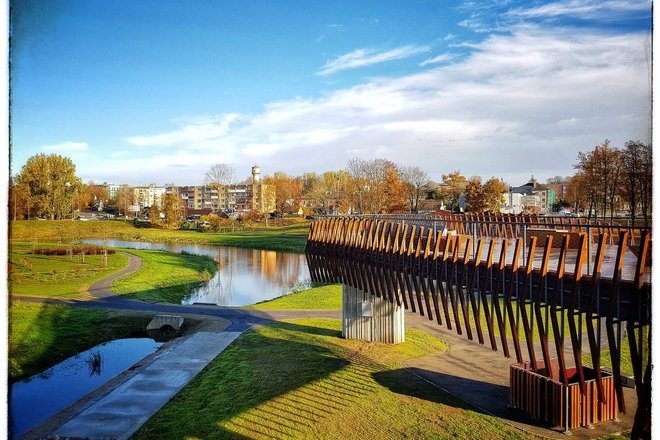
219	174
414	180
219	177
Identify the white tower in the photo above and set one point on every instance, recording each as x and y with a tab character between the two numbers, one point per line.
256	174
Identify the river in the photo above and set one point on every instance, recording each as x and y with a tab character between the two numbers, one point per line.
244	276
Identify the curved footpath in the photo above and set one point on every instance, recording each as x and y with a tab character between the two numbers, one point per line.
471	372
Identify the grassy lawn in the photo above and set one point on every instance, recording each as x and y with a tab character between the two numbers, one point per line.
57	276
317	298
290	236
42	335
165	277
300	379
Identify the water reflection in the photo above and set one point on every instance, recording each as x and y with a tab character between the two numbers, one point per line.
34	400
95	362
244	276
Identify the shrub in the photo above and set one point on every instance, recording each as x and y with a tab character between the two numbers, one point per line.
66	250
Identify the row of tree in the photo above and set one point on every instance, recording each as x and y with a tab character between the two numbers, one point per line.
607	180
611	180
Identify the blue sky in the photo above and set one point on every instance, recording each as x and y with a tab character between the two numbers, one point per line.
157	91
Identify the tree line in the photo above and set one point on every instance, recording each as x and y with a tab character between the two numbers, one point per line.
611	180
607	180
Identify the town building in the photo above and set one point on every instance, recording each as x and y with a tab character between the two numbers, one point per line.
146	196
530	198
239	198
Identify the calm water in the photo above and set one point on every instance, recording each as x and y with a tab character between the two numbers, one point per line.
34	400
244	276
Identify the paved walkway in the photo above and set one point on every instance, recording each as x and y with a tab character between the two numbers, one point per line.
125	409
480	376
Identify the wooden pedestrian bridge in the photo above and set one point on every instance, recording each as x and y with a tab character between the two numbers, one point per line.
546	291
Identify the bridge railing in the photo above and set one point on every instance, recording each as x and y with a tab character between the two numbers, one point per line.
510	292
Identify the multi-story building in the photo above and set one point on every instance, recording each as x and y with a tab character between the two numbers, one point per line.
146	196
112	189
242	197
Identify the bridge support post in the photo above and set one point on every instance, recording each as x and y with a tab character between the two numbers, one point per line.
368	318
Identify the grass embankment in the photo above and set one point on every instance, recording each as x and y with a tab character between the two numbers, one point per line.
317	298
165	277
42	335
57	276
300	379
287	235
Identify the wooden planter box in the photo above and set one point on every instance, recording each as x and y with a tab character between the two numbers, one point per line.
549	400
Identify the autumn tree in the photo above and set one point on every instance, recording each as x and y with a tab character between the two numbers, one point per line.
368	184
414	180
493	194
335	186
394	189
577	193
154	215
123	199
601	172
19	204
452	187
636	178
50	183
288	191
173	210
474	195
93	195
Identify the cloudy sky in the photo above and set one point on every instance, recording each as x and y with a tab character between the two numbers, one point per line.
156	91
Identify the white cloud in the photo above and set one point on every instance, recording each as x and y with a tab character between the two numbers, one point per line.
519	104
367	57
66	147
438	59
586	9
191	133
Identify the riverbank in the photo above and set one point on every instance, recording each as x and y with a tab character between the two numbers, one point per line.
286	235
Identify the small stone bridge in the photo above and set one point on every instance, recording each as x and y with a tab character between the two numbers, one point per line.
545	291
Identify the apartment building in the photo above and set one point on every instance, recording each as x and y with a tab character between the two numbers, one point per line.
242	197
146	196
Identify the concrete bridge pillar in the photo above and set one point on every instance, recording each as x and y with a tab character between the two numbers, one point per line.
368	318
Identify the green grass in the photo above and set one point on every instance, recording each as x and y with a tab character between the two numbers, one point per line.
286	238
317	298
42	335
57	276
626	359
300	379
165	276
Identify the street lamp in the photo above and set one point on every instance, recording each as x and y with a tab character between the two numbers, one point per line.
68	186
